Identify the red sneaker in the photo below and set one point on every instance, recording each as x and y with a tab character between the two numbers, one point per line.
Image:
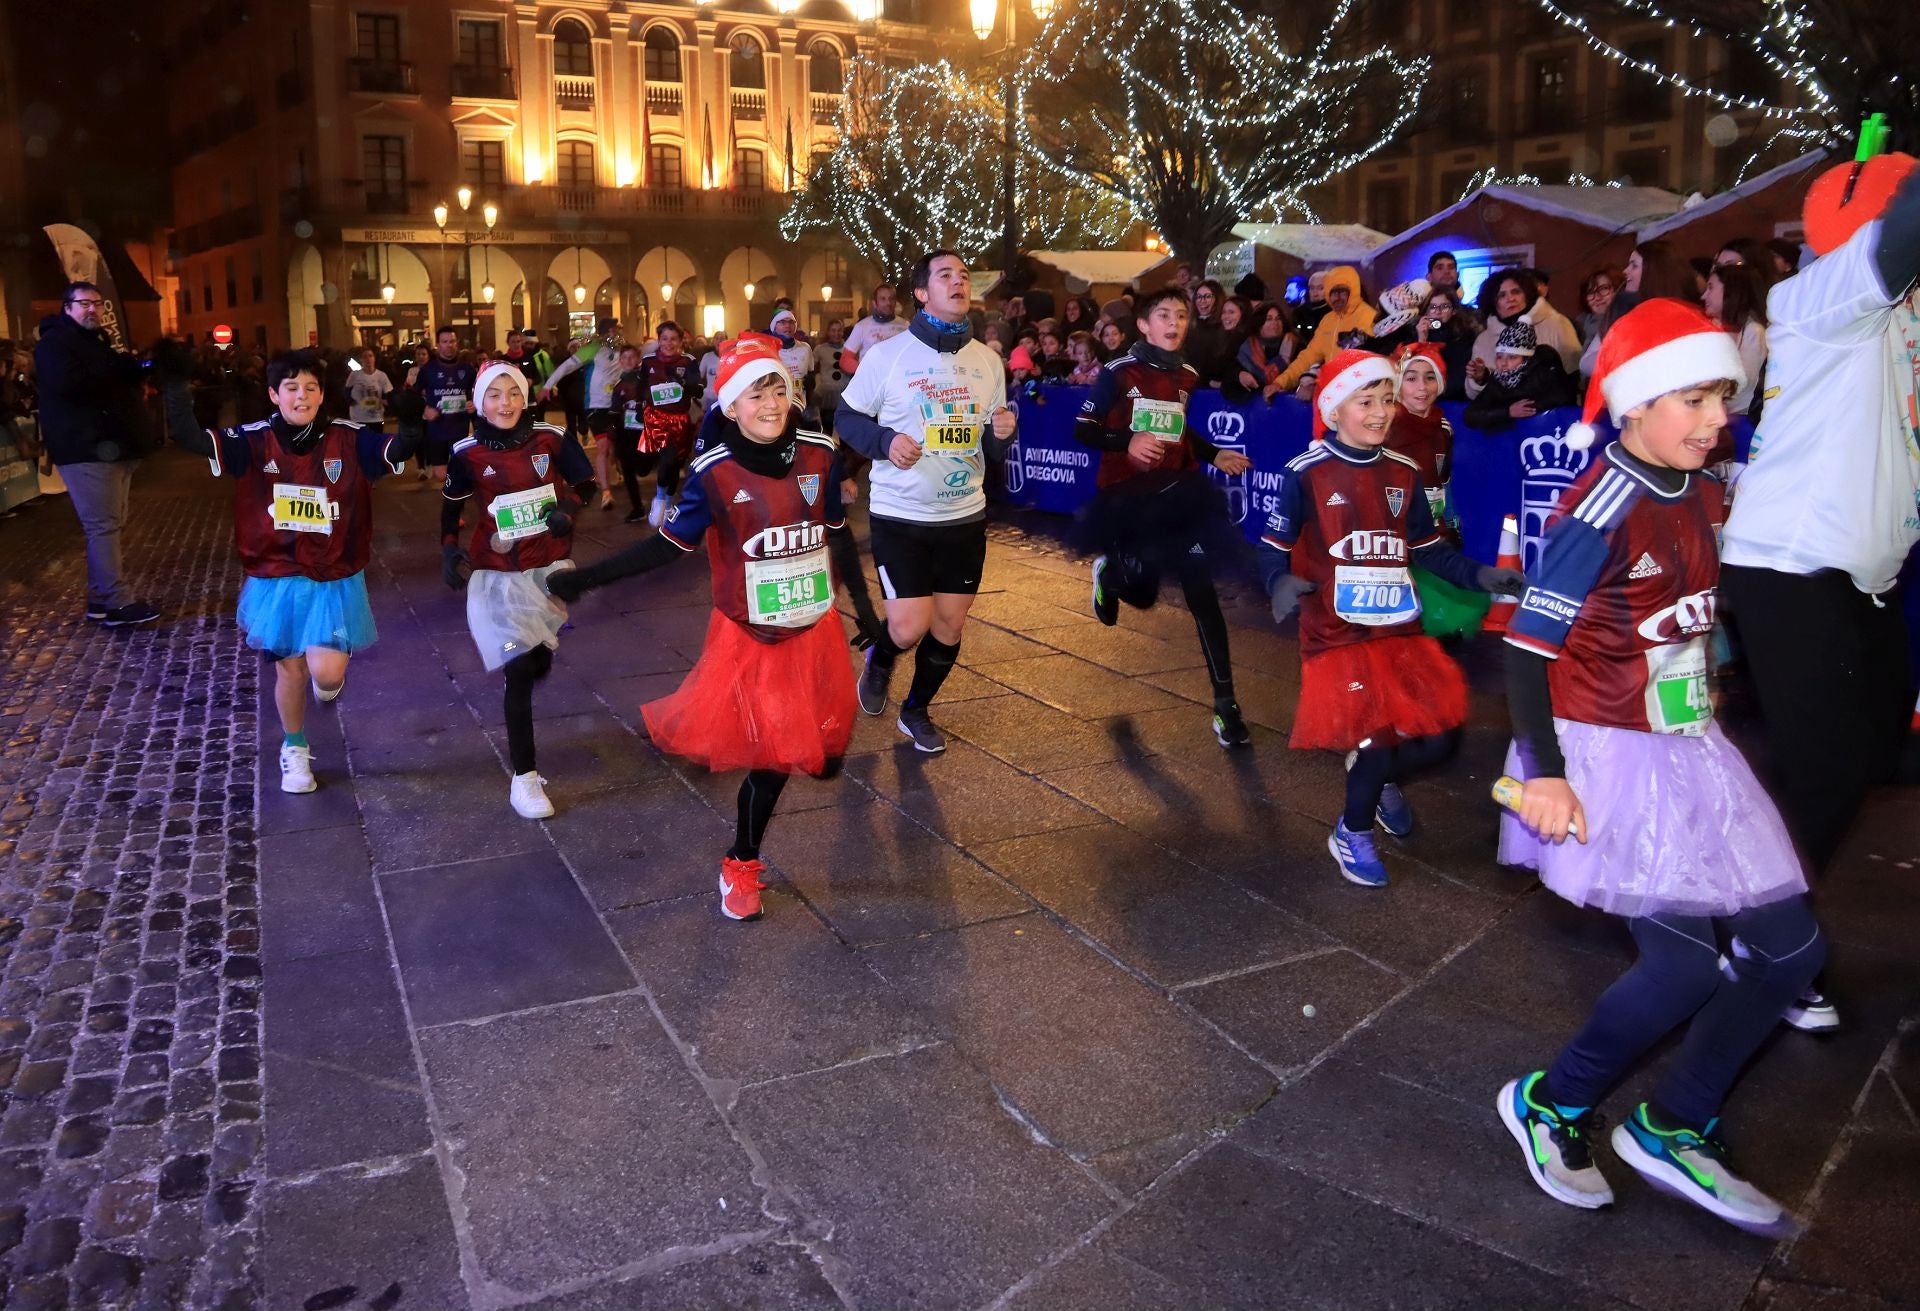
740	888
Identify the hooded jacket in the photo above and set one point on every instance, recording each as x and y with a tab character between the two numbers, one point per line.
91	407
1358	317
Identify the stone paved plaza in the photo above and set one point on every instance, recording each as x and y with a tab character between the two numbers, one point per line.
1079	1015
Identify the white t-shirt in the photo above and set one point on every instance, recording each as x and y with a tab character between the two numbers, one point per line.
944	402
1833	480
870	332
368	389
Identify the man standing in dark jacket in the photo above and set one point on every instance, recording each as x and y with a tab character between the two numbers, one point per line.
91	415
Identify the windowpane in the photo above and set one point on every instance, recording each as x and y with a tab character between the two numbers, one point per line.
379	37
747	67
383	164
572	50
483	164
824	73
749	169
480	44
663	166
574	165
663	56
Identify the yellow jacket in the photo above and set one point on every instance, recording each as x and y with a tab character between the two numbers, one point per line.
1325	345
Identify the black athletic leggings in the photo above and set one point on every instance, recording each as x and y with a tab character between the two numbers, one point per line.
522	672
1135	579
1375	767
635	464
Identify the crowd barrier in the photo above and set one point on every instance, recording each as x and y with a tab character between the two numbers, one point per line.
1520	470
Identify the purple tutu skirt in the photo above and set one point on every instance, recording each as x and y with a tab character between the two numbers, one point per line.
1675	825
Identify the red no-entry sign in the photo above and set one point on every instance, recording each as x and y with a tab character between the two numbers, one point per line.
222	335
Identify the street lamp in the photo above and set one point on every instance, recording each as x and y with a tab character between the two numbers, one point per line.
442	215
983	15
387	289
826	291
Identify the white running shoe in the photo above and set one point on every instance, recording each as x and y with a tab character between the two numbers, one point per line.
657	512
296	768
529	797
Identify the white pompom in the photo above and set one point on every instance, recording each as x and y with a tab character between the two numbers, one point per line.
1580	436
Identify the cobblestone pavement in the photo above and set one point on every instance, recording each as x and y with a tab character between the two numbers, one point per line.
129	929
1075	1016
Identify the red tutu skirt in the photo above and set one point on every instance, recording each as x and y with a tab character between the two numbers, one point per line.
747	704
1382	691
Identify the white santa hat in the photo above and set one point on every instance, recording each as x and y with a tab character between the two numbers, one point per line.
1342	376
495	370
1658	346
752	357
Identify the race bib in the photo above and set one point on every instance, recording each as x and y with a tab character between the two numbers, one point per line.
1166	420
1374	597
452	404
790	593
1677	700
630	417
1437	502
954	429
301	509
522	514
667	393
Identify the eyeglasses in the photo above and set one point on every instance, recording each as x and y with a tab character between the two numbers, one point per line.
88	304
1599	288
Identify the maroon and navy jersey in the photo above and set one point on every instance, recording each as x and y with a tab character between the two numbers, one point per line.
766	537
1348	522
669	388
448	387
1131	396
515	487
1623	598
308	515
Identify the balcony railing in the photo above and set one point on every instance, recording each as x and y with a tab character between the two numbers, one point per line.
573	92
542	201
381	76
483	82
826	105
664	97
749	103
578	200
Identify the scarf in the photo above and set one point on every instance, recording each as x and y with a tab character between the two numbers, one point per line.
504	439
947	338
1155	358
302	439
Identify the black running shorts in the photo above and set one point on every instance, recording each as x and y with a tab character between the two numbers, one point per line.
599	422
919	559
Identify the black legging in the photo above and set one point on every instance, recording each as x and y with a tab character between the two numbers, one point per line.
522	672
1375	767
759	793
635	464
1135	579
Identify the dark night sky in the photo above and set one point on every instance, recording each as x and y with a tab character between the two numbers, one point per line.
90	111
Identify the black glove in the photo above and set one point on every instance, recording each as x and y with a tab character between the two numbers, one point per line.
1501	582
560	518
566	585
407	406
172	360
1287	591
455	568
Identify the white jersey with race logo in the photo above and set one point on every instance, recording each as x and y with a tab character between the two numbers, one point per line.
1833	480
944	402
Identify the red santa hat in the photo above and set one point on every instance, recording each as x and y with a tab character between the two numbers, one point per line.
750	357
1658	346
1421	350
1342	376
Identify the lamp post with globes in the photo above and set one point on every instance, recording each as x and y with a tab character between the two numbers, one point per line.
987	18
468	232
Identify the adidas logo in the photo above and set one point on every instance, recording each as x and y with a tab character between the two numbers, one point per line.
741	498
1645	567
1133	392
1336	499
271	467
487	472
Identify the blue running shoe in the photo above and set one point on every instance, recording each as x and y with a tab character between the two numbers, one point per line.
1693	1167
1559	1150
1359	861
1394	814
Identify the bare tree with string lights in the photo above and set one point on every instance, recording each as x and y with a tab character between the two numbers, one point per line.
1837	61
1196	115
918	166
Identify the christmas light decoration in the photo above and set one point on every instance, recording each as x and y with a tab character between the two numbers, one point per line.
1492	177
1826	90
1194	117
916	167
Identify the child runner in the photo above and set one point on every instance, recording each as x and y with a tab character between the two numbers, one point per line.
772	692
1422	434
1349	514
1157	511
671	388
629	404
533	481
1615	739
303	524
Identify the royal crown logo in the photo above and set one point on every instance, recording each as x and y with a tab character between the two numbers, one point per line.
1225	426
1548	467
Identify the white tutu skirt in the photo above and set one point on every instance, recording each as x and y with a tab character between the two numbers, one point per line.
1675	825
510	613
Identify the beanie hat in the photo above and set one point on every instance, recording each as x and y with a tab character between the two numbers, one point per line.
1022	358
1343	375
1421	350
753	356
1658	346
1517	338
1401	305
783	314
495	370
1849	196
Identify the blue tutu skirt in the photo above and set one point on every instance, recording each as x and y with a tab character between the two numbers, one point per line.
285	616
